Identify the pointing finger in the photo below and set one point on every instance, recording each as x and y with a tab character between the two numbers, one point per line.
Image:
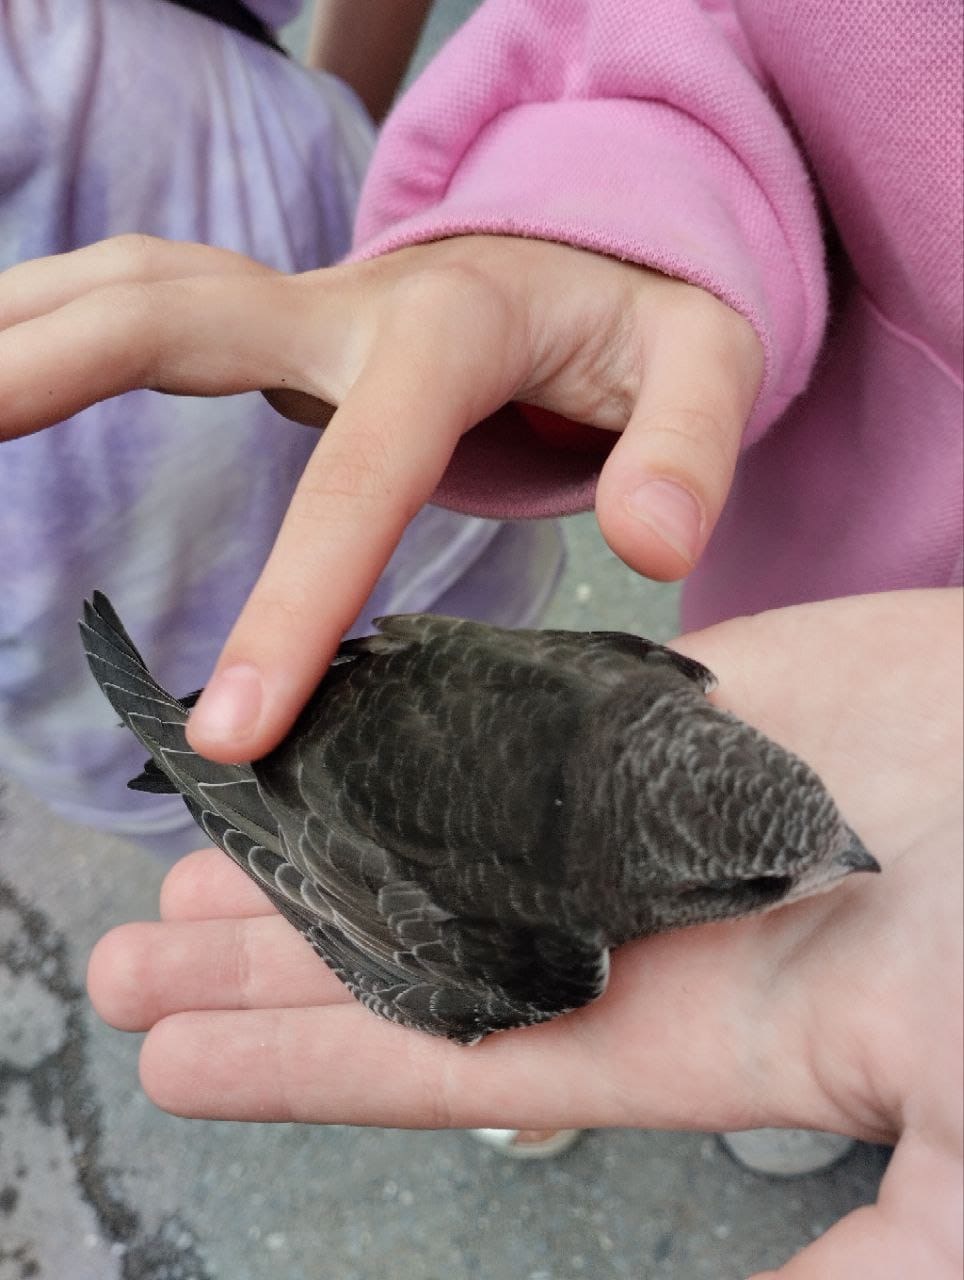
378	462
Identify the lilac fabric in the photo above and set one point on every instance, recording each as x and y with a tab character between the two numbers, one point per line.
137	115
275	13
726	143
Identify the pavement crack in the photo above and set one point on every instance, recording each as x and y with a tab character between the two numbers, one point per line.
44	1049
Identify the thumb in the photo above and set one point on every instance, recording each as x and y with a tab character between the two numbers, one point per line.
665	482
914	1229
865	1243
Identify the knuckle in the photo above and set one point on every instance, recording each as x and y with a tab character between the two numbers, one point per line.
275	621
725	336
434	1086
131	316
134	255
356	476
694	307
443	292
699	430
144	319
130	300
242	966
284	607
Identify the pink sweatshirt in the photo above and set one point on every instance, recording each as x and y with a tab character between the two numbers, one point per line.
801	161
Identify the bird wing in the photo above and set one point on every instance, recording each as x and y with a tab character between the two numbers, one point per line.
409	829
409	959
411	946
650	652
596	654
484	995
158	720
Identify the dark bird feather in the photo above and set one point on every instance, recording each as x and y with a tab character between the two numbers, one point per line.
465	820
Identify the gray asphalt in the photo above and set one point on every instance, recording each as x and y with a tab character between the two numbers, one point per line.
95	1184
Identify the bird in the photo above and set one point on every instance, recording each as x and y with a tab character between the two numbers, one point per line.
465	820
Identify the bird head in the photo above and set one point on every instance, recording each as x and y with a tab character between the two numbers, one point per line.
715	821
716	896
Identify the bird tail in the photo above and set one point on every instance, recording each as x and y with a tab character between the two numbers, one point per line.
222	797
122	673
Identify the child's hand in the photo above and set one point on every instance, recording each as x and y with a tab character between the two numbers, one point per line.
415	347
839	1012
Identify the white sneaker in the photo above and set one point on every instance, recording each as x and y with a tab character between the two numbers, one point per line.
787	1153
527	1144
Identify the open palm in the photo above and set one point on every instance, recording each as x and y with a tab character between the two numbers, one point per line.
841	1012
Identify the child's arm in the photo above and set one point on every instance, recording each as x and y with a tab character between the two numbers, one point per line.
368	43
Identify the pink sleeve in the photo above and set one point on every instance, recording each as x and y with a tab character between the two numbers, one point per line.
638	130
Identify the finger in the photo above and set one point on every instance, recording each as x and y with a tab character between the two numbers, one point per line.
864	1243
378	462
341	1065
857	1245
913	1230
199	336
33	288
207	885
141	973
675	1042
664	484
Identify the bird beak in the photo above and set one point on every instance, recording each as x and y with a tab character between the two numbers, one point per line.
856	858
853	857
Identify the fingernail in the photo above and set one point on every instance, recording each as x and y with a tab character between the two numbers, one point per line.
670	511
230	706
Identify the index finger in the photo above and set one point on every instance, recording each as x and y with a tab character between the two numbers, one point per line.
378	462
